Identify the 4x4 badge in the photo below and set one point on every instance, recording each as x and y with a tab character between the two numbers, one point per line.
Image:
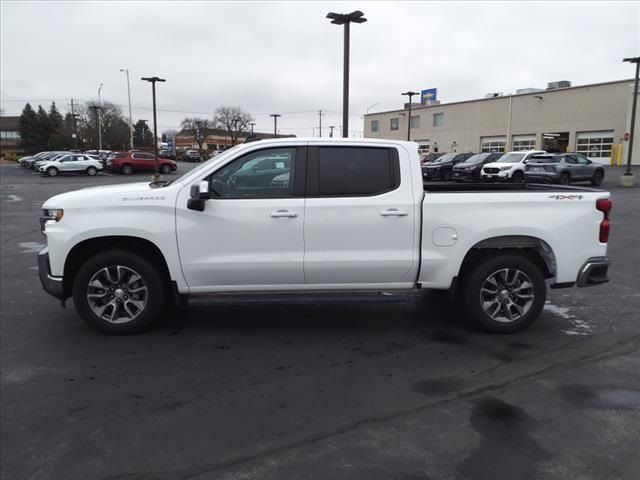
566	197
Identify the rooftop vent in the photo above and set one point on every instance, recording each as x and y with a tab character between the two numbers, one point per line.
494	95
522	91
559	84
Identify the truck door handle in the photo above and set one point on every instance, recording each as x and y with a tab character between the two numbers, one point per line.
283	214
393	212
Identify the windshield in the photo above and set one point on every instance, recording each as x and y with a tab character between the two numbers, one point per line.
203	165
511	158
478	158
445	158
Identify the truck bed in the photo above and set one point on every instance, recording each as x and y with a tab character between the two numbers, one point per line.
431	187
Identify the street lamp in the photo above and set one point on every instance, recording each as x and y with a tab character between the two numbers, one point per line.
126	70
346	19
153	81
410	94
635	60
275	123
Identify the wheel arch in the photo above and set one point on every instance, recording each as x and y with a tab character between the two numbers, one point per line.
87	248
534	248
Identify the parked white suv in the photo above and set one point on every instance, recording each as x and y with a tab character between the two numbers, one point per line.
72	163
509	167
322	215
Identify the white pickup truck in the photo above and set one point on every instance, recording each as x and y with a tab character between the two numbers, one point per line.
319	215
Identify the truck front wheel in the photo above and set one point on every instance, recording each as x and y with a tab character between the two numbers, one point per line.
118	293
504	293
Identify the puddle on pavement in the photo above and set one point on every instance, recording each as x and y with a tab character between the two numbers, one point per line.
614	398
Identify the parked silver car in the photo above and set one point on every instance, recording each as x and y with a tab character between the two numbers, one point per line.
72	163
562	168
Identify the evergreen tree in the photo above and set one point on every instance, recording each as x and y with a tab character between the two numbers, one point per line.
142	136
43	129
55	118
27	127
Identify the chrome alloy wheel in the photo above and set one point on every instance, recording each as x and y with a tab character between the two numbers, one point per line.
507	295
117	294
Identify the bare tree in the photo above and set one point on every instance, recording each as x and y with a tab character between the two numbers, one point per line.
115	129
200	128
234	120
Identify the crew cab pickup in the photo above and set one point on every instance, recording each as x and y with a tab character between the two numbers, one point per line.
342	215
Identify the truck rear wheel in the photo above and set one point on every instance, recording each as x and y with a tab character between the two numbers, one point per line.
118	293
504	293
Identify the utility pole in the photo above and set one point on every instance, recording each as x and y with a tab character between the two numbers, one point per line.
320	114
75	126
331	132
346	19
410	94
130	116
99	121
275	123
252	124
634	106
153	81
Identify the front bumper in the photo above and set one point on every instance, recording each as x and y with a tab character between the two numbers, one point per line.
594	272
501	176
429	173
463	175
52	285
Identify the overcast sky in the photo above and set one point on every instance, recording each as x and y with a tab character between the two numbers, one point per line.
285	57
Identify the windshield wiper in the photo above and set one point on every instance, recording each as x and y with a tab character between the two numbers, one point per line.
160	183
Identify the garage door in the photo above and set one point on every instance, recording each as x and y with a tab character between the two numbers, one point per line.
595	145
523	142
492	144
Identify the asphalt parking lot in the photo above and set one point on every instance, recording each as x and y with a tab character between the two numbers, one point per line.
358	387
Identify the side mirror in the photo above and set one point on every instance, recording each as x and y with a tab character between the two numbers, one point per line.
200	191
199	194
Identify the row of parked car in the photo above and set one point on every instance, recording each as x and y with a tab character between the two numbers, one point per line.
534	166
91	162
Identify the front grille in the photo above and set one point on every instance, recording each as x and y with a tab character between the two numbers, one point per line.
491	170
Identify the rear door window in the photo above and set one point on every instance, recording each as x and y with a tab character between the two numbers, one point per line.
356	171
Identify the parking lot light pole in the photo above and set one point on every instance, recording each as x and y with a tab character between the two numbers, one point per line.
275	123
126	70
634	106
346	19
153	81
409	94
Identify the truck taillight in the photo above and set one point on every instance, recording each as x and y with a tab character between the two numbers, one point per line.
604	205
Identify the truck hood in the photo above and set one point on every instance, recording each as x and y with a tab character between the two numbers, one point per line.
109	196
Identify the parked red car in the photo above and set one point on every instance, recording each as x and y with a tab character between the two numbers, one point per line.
129	162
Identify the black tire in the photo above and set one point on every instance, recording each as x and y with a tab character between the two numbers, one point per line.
165	168
127	169
52	171
446	175
91	171
475	298
517	177
597	178
150	276
565	179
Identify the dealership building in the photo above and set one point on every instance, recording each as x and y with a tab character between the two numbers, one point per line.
591	119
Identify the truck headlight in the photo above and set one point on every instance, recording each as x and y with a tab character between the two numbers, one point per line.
50	215
507	167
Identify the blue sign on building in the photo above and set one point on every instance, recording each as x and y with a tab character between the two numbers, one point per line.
429	95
